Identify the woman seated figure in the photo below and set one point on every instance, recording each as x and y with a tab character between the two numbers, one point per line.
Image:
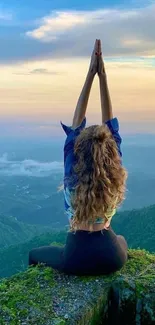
94	186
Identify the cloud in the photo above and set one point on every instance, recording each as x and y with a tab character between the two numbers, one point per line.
122	31
133	63
42	71
37	72
57	23
28	167
66	34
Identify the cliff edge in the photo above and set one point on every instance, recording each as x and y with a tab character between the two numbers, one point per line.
41	295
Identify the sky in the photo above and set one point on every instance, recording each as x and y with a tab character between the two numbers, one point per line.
45	50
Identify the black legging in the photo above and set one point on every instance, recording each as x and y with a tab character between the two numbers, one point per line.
96	253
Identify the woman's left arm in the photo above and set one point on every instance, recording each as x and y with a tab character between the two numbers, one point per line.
82	103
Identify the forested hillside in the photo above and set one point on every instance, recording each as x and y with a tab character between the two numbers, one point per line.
15	258
13	231
137	226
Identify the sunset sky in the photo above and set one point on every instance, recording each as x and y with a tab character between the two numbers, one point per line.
45	54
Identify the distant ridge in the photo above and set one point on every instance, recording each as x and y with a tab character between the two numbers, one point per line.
13	231
138	227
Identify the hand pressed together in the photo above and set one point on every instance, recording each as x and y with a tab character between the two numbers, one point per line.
100	67
96	63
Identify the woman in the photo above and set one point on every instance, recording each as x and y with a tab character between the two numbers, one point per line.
94	186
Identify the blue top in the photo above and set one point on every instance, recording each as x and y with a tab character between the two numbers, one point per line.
70	160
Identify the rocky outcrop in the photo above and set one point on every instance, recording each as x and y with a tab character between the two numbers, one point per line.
44	296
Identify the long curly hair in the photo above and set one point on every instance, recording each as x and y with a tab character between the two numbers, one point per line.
101	177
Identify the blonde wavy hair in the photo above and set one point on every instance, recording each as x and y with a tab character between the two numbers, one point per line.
101	178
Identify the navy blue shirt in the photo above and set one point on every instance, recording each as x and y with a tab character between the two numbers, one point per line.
69	161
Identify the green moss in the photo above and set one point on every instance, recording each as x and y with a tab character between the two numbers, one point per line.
41	294
24	292
58	321
54	243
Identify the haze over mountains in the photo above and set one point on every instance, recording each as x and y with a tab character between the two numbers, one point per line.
31	171
32	211
137	226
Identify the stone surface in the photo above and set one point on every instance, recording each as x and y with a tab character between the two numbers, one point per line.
44	296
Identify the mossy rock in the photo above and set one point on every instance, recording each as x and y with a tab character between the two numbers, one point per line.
41	295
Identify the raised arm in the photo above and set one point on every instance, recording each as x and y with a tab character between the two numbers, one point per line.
82	103
106	105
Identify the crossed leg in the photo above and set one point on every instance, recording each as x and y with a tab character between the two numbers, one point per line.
49	255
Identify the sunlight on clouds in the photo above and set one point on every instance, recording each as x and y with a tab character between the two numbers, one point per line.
124	31
55	96
59	22
44	89
53	25
132	42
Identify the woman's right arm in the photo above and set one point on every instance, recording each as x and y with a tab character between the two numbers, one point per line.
107	114
106	105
